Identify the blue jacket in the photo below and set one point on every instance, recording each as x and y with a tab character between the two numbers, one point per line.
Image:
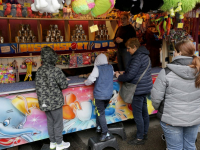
103	89
136	66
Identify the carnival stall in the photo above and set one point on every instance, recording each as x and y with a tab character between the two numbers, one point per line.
78	31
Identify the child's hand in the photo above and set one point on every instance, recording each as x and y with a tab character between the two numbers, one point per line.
68	79
117	74
121	72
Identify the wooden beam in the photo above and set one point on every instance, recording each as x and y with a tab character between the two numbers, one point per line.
164	53
91	36
112	26
9	31
67	31
39	28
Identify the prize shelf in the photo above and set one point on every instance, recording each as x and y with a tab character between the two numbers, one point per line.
39	25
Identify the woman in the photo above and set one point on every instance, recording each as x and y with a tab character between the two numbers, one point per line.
137	65
176	96
124	32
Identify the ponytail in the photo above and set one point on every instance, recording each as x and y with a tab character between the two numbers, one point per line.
196	65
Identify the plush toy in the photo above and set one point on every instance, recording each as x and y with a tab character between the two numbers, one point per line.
52	6
24	12
8	9
29	12
68	2
102	7
187	5
82	6
19	10
3	11
13	10
64	12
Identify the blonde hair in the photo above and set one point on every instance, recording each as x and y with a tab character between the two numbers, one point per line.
187	48
133	42
24	105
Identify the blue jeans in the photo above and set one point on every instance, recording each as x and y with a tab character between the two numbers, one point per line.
180	138
141	116
123	58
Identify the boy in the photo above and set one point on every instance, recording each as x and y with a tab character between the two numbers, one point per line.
102	75
50	81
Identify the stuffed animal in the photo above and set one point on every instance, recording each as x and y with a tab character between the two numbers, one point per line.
29	12
50	6
68	2
82	6
13	10
8	9
24	12
3	11
19	10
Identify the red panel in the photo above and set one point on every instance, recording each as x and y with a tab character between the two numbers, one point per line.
4	30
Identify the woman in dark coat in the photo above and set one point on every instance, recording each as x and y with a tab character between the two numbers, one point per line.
124	32
137	65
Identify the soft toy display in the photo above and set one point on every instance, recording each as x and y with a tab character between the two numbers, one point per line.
3	11
180	5
137	6
29	12
48	6
24	11
82	6
8	9
13	10
19	10
67	2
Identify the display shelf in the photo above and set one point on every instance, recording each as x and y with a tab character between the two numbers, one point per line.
18	18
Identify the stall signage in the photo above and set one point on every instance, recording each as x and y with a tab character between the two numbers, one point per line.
8	48
101	45
36	47
27	5
139	20
1	6
180	25
94	28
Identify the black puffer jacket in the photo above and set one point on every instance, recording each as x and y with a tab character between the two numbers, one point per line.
136	66
50	81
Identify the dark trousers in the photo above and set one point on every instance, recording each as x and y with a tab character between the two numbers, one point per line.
123	58
55	125
100	110
141	116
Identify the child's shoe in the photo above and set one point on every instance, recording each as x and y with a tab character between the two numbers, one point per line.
105	137
98	129
62	146
52	145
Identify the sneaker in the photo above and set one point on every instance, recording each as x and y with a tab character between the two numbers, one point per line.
62	146
52	145
145	137
105	137
136	142
98	129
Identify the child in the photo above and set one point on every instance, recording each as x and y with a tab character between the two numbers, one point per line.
102	75
50	81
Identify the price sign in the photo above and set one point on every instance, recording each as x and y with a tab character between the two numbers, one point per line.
9	16
197	15
1	7
27	5
180	25
139	20
94	28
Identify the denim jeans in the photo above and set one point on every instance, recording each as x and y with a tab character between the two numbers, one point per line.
180	138
123	58
141	116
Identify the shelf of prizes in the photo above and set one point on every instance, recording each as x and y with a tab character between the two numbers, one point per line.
77	42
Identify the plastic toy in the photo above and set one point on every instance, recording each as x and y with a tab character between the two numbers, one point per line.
13	10
24	11
8	9
3	11
19	10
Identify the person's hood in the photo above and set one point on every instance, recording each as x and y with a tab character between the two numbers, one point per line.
141	50
49	56
180	66
101	59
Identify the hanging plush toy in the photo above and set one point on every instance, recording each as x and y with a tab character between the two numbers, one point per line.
29	71
82	6
3	11
19	10
8	9
13	10
185	5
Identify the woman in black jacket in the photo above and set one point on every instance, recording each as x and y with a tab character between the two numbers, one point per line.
124	32
137	65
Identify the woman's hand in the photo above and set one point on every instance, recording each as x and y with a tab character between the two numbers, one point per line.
121	72
117	74
119	40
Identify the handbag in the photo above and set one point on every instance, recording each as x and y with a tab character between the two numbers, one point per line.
127	90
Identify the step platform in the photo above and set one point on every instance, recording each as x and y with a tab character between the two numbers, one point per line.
117	128
47	147
95	144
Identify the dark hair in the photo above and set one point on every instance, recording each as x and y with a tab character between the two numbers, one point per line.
125	14
133	42
187	48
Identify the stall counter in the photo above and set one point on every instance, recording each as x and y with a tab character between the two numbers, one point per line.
21	120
